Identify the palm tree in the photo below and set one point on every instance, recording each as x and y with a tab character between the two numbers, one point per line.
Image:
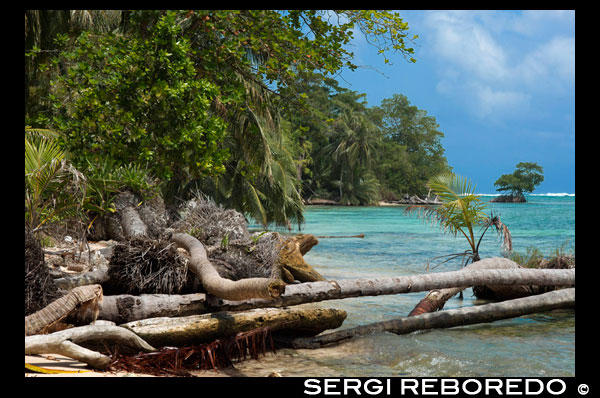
260	176
355	141
460	212
53	187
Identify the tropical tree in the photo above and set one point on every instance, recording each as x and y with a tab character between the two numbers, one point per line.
53	187
525	178
355	141
419	135
461	211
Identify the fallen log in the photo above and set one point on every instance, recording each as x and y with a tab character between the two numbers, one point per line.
341	236
124	308
98	276
68	343
564	298
213	283
196	329
77	300
436	298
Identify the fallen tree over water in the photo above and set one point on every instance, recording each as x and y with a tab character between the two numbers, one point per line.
564	298
126	308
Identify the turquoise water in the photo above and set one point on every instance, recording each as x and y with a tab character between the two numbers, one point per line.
400	244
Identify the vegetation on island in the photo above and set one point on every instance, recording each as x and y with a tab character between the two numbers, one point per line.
526	177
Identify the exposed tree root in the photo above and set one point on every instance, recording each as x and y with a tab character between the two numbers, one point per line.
223	288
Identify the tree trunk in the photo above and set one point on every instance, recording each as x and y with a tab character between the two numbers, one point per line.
291	258
132	223
223	288
436	298
66	342
77	300
196	329
123	308
564	298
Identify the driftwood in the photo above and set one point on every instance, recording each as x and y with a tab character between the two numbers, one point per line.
196	329
214	284
564	298
341	236
68	343
98	276
77	300
124	308
291	258
436	298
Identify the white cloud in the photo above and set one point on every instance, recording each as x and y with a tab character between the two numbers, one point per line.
496	61
554	59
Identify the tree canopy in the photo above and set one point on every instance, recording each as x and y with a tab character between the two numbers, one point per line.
526	177
240	104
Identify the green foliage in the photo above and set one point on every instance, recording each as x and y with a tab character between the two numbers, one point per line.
106	179
54	189
187	97
525	178
138	100
460	212
421	155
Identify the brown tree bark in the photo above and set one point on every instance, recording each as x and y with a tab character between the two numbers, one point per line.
77	300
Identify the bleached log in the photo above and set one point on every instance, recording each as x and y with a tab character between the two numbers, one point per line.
564	298
124	308
67	342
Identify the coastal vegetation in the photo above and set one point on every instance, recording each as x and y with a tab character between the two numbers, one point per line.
461	211
160	133
525	178
240	104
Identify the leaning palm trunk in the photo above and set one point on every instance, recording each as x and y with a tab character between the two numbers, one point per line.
114	308
564	298
77	300
223	288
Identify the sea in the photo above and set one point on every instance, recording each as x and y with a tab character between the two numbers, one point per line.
394	244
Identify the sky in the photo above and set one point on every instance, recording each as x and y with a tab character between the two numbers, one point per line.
501	85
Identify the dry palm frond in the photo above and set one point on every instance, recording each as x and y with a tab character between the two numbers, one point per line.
146	266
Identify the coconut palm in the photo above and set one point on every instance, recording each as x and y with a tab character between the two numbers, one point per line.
355	141
260	176
460	212
53	187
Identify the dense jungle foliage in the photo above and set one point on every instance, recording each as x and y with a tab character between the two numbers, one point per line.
241	105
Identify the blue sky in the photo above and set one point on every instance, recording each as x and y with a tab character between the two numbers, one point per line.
501	85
